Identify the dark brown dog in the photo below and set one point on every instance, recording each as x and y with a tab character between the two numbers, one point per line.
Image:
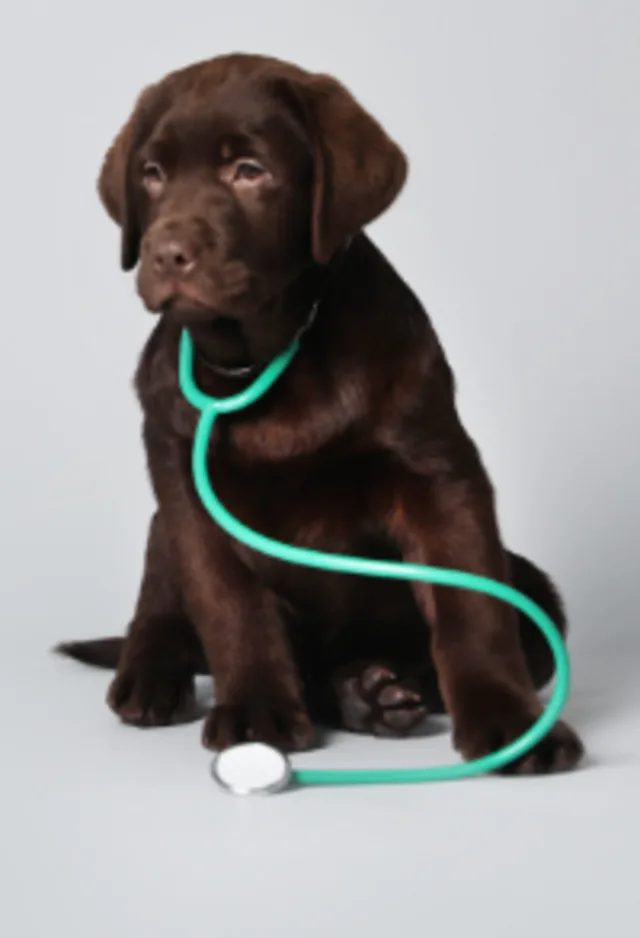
242	186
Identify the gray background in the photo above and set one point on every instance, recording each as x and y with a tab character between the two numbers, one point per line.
520	229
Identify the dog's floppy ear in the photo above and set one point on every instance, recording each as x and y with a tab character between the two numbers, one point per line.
115	183
359	170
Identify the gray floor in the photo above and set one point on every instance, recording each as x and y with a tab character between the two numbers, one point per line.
108	830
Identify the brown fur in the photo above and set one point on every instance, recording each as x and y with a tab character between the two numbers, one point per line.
359	448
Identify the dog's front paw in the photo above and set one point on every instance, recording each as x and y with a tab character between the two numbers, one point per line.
151	693
493	718
253	717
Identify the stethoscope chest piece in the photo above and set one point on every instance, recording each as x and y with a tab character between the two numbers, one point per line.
251	769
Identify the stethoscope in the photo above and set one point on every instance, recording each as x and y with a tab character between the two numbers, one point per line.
256	768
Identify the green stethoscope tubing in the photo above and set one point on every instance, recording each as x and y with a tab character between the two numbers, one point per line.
210	408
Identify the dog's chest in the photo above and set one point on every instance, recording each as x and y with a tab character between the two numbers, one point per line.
325	500
336	506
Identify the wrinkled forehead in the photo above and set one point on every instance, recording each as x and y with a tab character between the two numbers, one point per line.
235	117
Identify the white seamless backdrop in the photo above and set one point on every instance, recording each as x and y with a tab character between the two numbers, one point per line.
520	230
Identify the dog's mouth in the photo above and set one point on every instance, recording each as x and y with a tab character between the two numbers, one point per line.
228	341
187	310
193	299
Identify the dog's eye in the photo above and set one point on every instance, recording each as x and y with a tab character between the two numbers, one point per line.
153	178
248	170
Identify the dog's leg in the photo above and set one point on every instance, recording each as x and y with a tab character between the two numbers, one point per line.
238	620
447	518
153	685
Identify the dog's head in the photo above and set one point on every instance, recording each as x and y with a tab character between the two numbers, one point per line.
234	176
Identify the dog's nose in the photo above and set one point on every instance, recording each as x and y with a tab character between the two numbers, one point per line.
173	257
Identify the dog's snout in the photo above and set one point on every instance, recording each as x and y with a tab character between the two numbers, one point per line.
173	257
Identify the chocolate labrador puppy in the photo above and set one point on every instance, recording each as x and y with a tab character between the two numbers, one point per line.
242	186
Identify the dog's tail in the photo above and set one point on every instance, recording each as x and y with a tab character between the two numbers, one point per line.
100	652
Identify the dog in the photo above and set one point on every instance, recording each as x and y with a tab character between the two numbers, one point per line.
242	187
